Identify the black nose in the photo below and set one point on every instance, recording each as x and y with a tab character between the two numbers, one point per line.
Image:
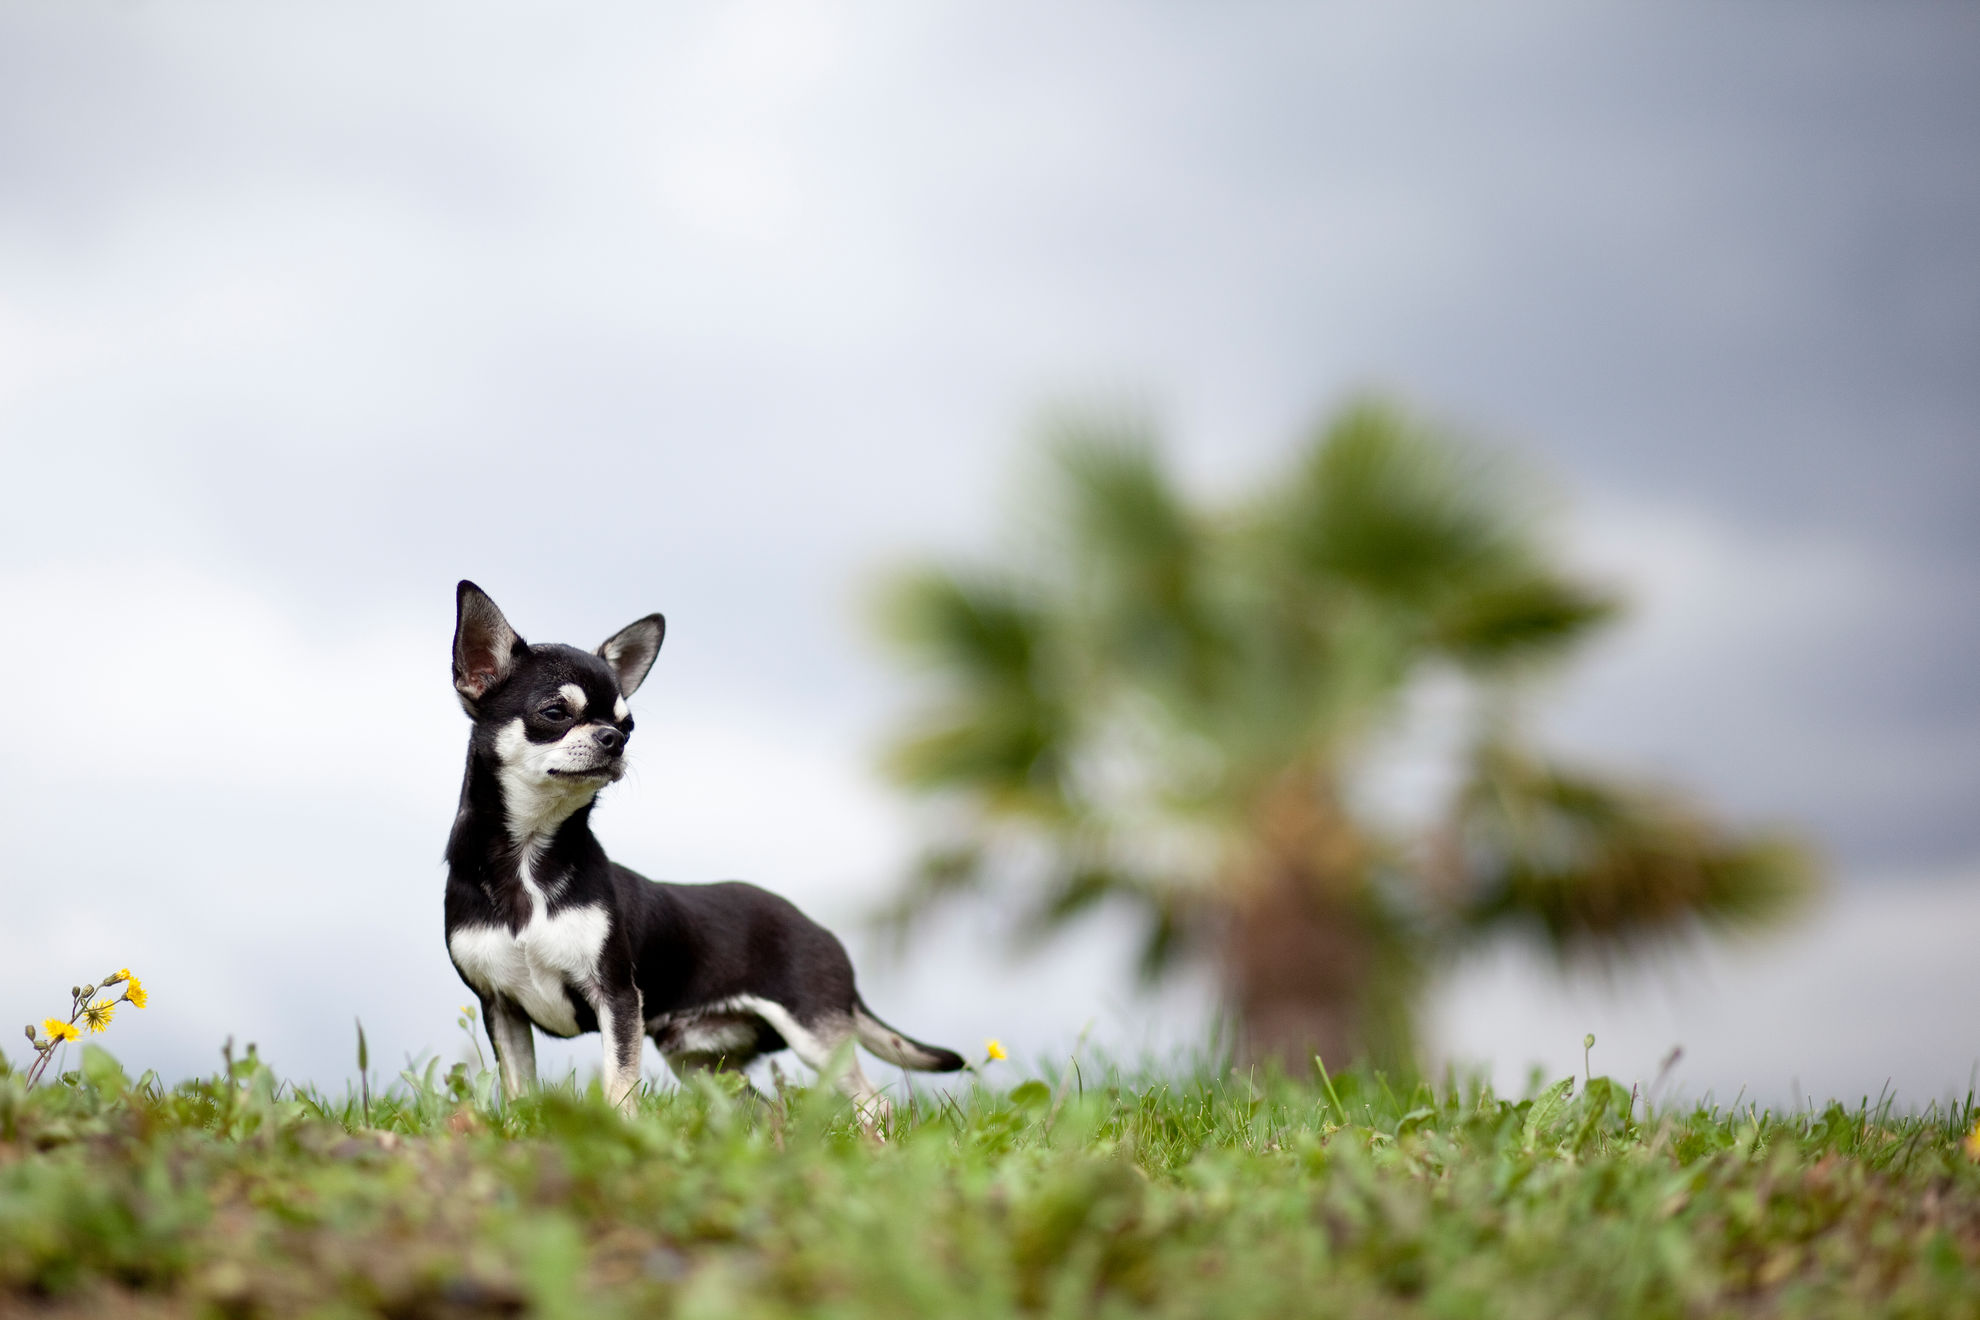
609	739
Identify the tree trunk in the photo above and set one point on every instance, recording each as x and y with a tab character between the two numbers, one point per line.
1308	966
1296	966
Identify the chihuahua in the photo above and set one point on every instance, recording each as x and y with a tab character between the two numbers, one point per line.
551	934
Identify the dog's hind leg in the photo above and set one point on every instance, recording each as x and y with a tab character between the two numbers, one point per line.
509	1031
827	1045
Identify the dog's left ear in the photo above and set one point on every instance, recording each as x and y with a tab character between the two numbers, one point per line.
632	650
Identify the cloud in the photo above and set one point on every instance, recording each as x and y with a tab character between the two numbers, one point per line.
713	308
1768	669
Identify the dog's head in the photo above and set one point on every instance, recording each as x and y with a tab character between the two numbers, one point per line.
553	717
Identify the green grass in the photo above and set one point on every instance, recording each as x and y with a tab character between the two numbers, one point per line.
1079	1196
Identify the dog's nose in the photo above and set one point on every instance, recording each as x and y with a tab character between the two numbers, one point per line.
609	740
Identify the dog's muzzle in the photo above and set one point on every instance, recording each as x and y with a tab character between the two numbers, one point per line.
605	770
607	744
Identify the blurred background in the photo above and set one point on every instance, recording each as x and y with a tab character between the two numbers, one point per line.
730	311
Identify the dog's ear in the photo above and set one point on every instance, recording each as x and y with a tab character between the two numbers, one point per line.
631	651
485	646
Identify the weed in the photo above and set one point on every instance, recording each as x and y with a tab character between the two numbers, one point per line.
91	1009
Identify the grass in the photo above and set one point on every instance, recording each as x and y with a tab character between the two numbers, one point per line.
1077	1196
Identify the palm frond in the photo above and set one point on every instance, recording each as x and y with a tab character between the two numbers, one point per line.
1174	931
997	724
1434	540
1392	508
972	627
1005	750
1600	866
1122	507
1140	563
1532	615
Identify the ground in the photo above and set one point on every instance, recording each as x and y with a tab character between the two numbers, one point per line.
1090	1193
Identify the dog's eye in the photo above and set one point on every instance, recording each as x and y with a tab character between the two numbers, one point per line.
555	711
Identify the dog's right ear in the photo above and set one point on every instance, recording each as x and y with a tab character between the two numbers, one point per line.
486	648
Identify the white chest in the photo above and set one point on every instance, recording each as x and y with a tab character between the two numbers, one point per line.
539	966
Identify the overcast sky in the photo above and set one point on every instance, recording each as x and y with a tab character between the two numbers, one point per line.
308	311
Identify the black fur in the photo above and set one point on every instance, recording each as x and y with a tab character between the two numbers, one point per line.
672	954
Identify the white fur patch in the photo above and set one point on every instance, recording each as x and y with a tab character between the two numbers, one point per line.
537	801
706	1032
515	1043
802	1042
574	696
621	1074
708	1022
619	708
718	1036
842	1070
709	1030
538	966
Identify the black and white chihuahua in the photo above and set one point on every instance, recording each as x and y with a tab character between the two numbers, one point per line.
547	931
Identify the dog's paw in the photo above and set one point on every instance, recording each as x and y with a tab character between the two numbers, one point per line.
876	1115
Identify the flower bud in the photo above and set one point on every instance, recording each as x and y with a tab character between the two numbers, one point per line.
30	1032
76	990
87	991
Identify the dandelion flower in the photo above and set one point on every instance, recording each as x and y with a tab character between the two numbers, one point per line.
994	1049
134	990
96	1015
58	1030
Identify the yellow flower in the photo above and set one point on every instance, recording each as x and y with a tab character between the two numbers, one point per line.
58	1030
134	990
994	1049
123	975
1972	1143
96	1015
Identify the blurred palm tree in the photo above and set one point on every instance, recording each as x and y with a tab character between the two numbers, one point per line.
1165	705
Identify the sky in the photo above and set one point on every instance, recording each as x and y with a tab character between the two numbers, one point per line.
308	311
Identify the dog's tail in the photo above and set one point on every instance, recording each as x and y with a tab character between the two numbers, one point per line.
895	1048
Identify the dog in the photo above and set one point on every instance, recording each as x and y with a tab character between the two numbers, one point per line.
552	936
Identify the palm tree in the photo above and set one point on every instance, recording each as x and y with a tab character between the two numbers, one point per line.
1166	705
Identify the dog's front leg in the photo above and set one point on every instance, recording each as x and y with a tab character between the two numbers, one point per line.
622	1023
509	1031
